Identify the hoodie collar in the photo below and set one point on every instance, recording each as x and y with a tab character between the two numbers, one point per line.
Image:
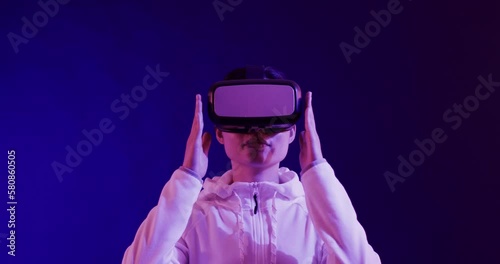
223	186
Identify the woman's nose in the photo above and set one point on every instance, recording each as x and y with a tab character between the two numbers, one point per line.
262	132
257	132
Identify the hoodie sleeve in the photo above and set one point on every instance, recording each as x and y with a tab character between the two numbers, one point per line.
156	241
335	219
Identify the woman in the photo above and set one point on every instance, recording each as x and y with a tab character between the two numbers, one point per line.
256	212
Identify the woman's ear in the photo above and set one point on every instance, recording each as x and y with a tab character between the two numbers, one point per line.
218	135
293	132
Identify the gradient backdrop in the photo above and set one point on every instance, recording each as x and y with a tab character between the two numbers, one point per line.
64	70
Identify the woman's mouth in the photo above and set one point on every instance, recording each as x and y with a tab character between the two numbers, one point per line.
258	145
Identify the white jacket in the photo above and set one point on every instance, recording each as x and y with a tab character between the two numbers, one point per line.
258	222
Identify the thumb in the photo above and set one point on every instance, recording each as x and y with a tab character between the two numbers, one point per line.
301	139
206	141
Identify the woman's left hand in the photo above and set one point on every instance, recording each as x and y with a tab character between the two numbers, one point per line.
310	147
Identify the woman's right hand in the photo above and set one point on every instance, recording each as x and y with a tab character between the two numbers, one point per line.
197	146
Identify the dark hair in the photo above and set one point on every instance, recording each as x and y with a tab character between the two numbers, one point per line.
241	73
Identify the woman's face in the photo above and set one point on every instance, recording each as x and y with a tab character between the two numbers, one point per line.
256	149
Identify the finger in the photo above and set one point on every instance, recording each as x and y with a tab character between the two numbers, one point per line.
301	139
207	140
197	125
311	123
199	111
195	118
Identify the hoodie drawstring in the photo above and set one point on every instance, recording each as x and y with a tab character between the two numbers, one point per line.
274	223
239	217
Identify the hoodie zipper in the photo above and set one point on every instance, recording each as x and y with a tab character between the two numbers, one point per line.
257	225
256	203
258	228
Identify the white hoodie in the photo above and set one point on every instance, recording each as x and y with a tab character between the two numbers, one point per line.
258	222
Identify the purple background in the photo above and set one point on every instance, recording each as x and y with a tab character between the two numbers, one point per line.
368	112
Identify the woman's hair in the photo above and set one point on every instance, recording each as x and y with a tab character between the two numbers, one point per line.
241	73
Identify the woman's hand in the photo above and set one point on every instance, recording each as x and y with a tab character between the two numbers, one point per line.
310	147
197	146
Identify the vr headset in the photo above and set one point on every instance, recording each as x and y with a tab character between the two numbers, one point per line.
244	106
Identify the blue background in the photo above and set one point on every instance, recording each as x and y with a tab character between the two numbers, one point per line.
368	112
